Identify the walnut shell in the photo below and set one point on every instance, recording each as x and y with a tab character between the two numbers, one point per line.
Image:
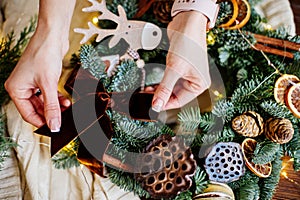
166	168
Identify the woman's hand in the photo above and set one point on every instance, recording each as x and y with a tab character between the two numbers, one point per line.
40	66
187	72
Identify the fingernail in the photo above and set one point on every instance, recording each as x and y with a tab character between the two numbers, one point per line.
158	104
54	125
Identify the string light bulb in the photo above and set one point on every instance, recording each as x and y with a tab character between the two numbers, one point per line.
95	20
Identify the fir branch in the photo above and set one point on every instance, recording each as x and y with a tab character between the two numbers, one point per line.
200	181
189	118
265	152
126	78
292	148
245	92
249	94
277	110
10	53
5	143
227	135
249	192
210	138
131	135
296	156
187	195
207	122
268	185
130	6
248	177
67	157
91	61
224	109
127	182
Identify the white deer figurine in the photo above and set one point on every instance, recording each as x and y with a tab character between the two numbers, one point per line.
138	34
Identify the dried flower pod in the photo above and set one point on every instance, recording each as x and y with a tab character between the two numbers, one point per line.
225	162
249	124
166	167
279	130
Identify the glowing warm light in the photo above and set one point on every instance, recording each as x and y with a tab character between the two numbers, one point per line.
210	39
95	20
69	146
217	93
268	26
284	173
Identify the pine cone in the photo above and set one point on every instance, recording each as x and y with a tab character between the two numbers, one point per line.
249	124
279	130
166	167
162	10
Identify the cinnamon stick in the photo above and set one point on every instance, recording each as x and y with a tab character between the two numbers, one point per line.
275	51
277	42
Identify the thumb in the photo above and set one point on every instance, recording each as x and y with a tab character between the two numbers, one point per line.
51	106
164	90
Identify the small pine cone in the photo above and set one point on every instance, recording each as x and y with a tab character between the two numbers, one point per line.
279	130
249	124
162	11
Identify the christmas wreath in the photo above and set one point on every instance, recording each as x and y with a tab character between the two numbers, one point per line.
233	151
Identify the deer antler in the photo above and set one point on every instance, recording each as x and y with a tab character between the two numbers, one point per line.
88	33
105	14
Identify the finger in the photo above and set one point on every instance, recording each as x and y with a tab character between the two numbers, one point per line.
52	110
37	104
28	112
184	92
164	90
64	102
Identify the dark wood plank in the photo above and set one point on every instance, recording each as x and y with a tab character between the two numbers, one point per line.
289	185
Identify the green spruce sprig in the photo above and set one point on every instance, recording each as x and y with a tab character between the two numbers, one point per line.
265	152
6	143
268	185
67	157
200	181
10	53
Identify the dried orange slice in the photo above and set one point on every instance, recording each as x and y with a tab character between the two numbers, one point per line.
293	99
235	13
282	84
243	17
248	148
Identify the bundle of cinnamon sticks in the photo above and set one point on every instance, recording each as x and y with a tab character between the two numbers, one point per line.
276	46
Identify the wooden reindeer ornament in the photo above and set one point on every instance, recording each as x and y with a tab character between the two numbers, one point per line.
138	34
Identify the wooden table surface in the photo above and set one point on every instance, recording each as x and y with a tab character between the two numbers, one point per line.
289	185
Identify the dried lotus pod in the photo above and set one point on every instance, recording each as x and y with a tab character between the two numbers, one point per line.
162	11
225	162
166	167
279	130
249	124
